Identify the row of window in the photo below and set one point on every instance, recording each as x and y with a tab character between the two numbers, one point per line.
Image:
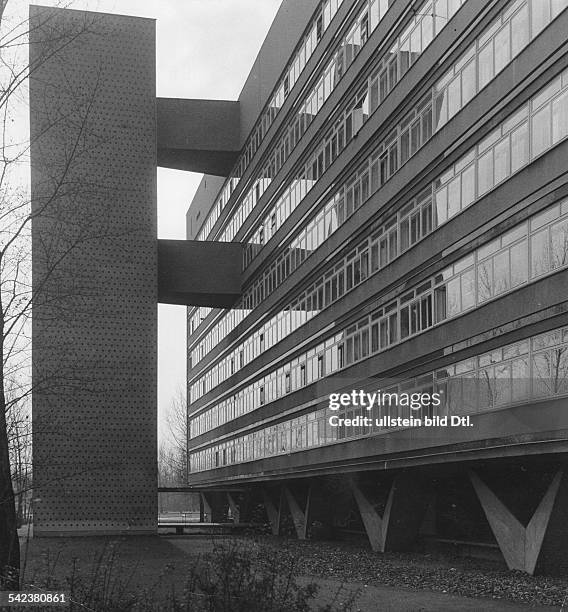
317	27
342	58
534	369
425	25
382	78
508	148
448	96
196	315
536	247
522	20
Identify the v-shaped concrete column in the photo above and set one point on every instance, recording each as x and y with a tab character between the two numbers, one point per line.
404	511
520	545
205	509
273	511
299	516
235	510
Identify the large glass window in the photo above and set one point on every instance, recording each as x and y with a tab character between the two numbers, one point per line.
541	130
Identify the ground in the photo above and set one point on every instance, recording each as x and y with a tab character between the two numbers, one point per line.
397	582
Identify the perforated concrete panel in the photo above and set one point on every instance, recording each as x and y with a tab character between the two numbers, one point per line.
93	126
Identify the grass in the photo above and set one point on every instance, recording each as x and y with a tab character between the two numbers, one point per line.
152	573
220	574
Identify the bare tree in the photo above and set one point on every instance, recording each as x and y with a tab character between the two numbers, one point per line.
177	425
20	444
172	458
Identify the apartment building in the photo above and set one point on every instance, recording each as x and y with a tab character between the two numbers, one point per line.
399	198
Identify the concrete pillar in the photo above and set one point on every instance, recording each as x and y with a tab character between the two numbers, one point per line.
205	511
273	511
235	510
372	522
404	512
299	516
523	546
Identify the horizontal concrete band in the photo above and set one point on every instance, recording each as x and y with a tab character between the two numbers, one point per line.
516	431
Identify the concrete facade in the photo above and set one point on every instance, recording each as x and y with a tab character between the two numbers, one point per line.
93	131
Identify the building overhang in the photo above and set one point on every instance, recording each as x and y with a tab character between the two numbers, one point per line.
196	273
198	135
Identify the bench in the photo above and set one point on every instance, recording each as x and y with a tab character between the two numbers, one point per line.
201	527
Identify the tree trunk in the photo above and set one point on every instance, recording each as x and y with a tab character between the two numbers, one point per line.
9	543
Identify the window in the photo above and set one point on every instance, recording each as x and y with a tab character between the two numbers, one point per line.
468	186
502	56
468	289
453	303
519	147
540	11
560	117
519	264
469	85
454	197
440	110
454	96
502	160
427	30
441	206
559	245
485	172
519	31
541	377
485	59
541	137
539	253
501	279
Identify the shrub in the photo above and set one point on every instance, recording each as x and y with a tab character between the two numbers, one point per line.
237	576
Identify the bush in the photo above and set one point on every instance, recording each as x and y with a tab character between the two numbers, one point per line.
237	576
247	577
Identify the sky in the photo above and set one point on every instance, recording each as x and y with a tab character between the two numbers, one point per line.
205	49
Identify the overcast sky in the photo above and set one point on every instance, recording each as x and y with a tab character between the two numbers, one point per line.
205	49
